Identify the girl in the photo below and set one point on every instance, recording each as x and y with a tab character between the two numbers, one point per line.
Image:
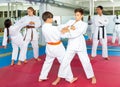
13	32
31	35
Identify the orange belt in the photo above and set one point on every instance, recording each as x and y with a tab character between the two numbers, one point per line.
54	43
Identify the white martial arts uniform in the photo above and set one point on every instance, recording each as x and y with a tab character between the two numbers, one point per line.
116	31
28	33
76	44
52	35
100	23
16	40
89	29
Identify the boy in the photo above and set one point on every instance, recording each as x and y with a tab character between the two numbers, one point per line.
100	23
54	46
74	31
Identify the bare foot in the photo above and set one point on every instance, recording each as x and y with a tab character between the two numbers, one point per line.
38	59
93	80
25	61
56	81
12	63
19	63
40	80
92	58
107	58
74	79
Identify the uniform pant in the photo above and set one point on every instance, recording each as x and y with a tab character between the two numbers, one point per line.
47	66
15	51
89	32
104	47
65	68
115	34
34	46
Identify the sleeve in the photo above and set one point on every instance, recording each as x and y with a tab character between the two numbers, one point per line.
4	43
103	21
37	23
80	30
60	27
114	19
18	27
21	20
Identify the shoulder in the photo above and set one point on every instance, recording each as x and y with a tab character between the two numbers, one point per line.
36	17
5	29
83	23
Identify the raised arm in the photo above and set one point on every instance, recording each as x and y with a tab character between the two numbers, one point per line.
79	30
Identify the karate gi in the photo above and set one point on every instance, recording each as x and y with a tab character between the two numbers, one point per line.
16	41
100	23
76	45
116	31
31	35
89	29
54	48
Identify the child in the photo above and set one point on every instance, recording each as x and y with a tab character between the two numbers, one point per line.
54	46
116	31
74	31
89	29
13	32
100	23
31	34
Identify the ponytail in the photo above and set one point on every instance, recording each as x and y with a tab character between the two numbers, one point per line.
7	24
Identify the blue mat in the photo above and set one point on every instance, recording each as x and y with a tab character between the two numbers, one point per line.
5	61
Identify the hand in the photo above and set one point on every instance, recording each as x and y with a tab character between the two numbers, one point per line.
64	30
72	27
31	23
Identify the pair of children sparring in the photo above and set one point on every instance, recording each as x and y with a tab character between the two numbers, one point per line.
31	23
73	30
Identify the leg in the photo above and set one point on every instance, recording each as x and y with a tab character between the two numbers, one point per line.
104	48
65	68
25	48
114	37
22	55
46	68
35	49
119	38
14	53
94	47
83	56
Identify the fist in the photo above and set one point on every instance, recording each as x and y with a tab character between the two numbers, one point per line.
72	27
31	23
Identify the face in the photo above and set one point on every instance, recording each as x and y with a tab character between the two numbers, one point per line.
30	12
78	16
99	11
50	20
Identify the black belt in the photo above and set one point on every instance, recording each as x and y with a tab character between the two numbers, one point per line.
117	23
103	30
89	24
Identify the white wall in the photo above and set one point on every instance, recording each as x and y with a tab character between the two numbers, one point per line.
60	11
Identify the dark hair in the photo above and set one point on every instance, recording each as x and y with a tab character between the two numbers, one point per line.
7	24
101	7
32	9
80	10
89	17
47	15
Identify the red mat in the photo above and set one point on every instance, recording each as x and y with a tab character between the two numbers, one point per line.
26	75
109	38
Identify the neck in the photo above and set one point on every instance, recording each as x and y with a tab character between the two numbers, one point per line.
48	22
100	14
30	15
